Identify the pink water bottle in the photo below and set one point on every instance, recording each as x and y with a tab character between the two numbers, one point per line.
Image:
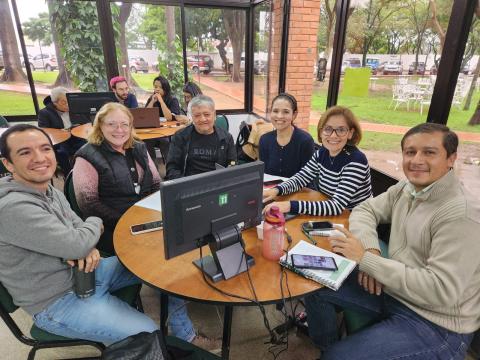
273	234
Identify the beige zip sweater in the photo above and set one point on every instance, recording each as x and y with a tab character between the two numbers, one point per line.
434	250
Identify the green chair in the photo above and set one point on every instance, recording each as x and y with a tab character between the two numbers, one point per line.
39	339
3	122
197	353
3	170
69	192
129	294
222	122
356	321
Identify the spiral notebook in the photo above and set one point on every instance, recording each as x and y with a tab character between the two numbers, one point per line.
331	279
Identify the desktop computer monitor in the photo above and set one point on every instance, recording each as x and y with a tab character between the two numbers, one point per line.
212	208
87	104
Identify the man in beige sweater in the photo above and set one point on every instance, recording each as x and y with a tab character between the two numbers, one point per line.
426	294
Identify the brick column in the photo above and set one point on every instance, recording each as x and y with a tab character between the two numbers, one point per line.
304	22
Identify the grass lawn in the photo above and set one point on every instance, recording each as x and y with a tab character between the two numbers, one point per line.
45	77
14	103
374	108
371	140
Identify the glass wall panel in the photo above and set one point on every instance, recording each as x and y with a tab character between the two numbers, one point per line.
263	43
148	40
389	69
216	53
64	46
15	96
321	70
464	115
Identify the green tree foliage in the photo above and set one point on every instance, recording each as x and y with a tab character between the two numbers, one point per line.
79	36
38	29
153	26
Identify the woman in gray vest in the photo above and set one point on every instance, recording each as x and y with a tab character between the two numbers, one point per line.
113	170
111	173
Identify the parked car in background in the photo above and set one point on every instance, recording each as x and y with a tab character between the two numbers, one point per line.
350	63
373	64
390	67
420	68
2	65
137	64
242	64
46	62
200	63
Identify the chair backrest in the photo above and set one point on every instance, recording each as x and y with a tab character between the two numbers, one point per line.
69	192
6	301
222	122
3	122
381	181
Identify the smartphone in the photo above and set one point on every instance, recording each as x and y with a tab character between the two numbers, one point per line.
314	262
317	225
146	227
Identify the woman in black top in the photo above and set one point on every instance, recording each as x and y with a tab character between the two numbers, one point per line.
163	99
190	90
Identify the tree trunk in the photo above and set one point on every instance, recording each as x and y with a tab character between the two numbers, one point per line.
436	24
170	19
235	27
472	86
475	119
330	29
124	65
63	79
11	56
223	54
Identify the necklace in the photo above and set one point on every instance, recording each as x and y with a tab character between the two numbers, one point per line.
332	159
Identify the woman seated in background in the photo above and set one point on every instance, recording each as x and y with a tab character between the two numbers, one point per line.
190	90
339	168
111	173
163	99
286	149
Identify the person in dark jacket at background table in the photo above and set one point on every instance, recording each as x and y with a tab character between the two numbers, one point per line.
55	115
122	92
200	146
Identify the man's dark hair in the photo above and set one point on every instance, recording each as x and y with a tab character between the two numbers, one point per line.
450	139
290	98
5	150
192	89
165	86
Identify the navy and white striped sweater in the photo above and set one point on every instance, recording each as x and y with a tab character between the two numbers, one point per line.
344	178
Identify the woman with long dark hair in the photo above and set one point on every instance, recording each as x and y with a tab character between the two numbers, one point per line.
163	99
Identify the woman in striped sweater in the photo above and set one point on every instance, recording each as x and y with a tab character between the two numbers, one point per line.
339	169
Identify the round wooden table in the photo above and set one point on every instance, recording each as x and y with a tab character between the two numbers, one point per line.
167	129
56	135
144	256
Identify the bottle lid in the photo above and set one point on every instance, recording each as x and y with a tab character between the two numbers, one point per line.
274	216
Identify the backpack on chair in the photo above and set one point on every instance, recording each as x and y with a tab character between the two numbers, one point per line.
249	139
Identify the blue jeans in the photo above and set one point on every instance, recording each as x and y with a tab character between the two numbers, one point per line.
400	332
103	317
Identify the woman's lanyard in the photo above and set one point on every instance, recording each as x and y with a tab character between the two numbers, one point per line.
133	169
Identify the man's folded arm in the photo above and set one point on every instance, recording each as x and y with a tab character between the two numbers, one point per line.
45	233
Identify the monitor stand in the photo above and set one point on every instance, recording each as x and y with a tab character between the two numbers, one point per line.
228	257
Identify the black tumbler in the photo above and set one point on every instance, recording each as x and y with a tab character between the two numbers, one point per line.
83	283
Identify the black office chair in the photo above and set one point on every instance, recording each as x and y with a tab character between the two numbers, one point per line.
39	339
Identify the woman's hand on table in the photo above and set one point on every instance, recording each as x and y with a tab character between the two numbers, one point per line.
283	206
269	194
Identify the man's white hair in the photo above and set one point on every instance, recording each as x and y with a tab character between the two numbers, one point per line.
200	100
57	92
